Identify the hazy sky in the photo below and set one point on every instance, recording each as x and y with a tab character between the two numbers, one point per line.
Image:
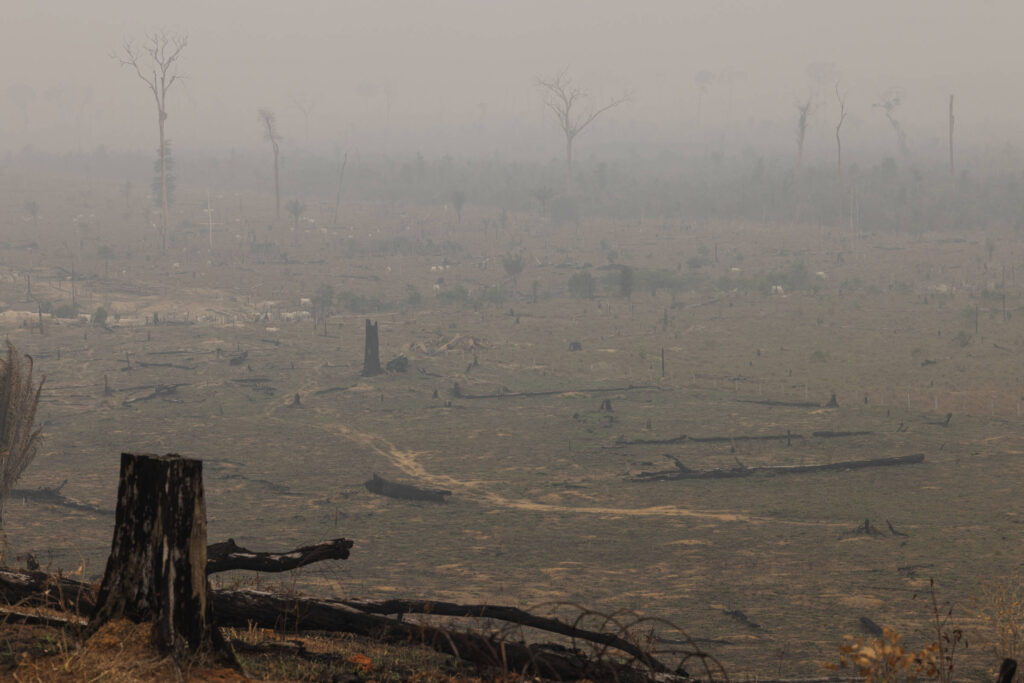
458	75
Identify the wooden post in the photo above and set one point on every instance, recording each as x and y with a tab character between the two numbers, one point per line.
371	356
156	571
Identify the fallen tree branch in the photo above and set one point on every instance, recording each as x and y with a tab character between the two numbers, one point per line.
509	614
744	471
245	608
227	555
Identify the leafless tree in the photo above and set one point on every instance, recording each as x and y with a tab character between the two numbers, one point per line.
19	438
156	63
891	101
271	135
841	99
563	97
803	119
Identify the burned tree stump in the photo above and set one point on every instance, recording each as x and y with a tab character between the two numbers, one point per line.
371	357
156	571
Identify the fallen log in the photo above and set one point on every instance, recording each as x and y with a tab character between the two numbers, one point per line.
709	439
246	608
390	489
250	608
331	390
53	496
175	353
458	393
227	555
782	404
141	364
161	391
744	471
47	590
838	435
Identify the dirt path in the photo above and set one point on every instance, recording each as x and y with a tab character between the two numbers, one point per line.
407	462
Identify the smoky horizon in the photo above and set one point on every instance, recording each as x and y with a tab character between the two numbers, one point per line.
460	77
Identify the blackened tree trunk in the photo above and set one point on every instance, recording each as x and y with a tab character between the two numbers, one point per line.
156	571
371	358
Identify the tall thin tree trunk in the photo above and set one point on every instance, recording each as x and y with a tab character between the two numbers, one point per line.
568	163
277	185
163	182
839	159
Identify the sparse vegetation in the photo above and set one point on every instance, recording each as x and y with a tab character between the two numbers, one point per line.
19	436
582	285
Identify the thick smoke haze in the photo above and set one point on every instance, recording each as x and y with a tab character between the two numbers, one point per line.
457	76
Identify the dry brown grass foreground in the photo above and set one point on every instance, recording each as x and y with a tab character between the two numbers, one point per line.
121	651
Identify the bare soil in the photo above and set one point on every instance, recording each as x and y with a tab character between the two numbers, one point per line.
542	510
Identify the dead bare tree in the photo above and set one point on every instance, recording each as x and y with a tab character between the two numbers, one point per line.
891	101
841	98
19	439
563	97
156	63
803	119
271	135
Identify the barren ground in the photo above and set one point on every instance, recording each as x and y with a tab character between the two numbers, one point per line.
542	510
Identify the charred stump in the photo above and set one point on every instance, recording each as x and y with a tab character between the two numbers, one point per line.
156	571
371	357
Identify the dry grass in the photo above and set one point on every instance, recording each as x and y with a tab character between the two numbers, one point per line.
19	438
